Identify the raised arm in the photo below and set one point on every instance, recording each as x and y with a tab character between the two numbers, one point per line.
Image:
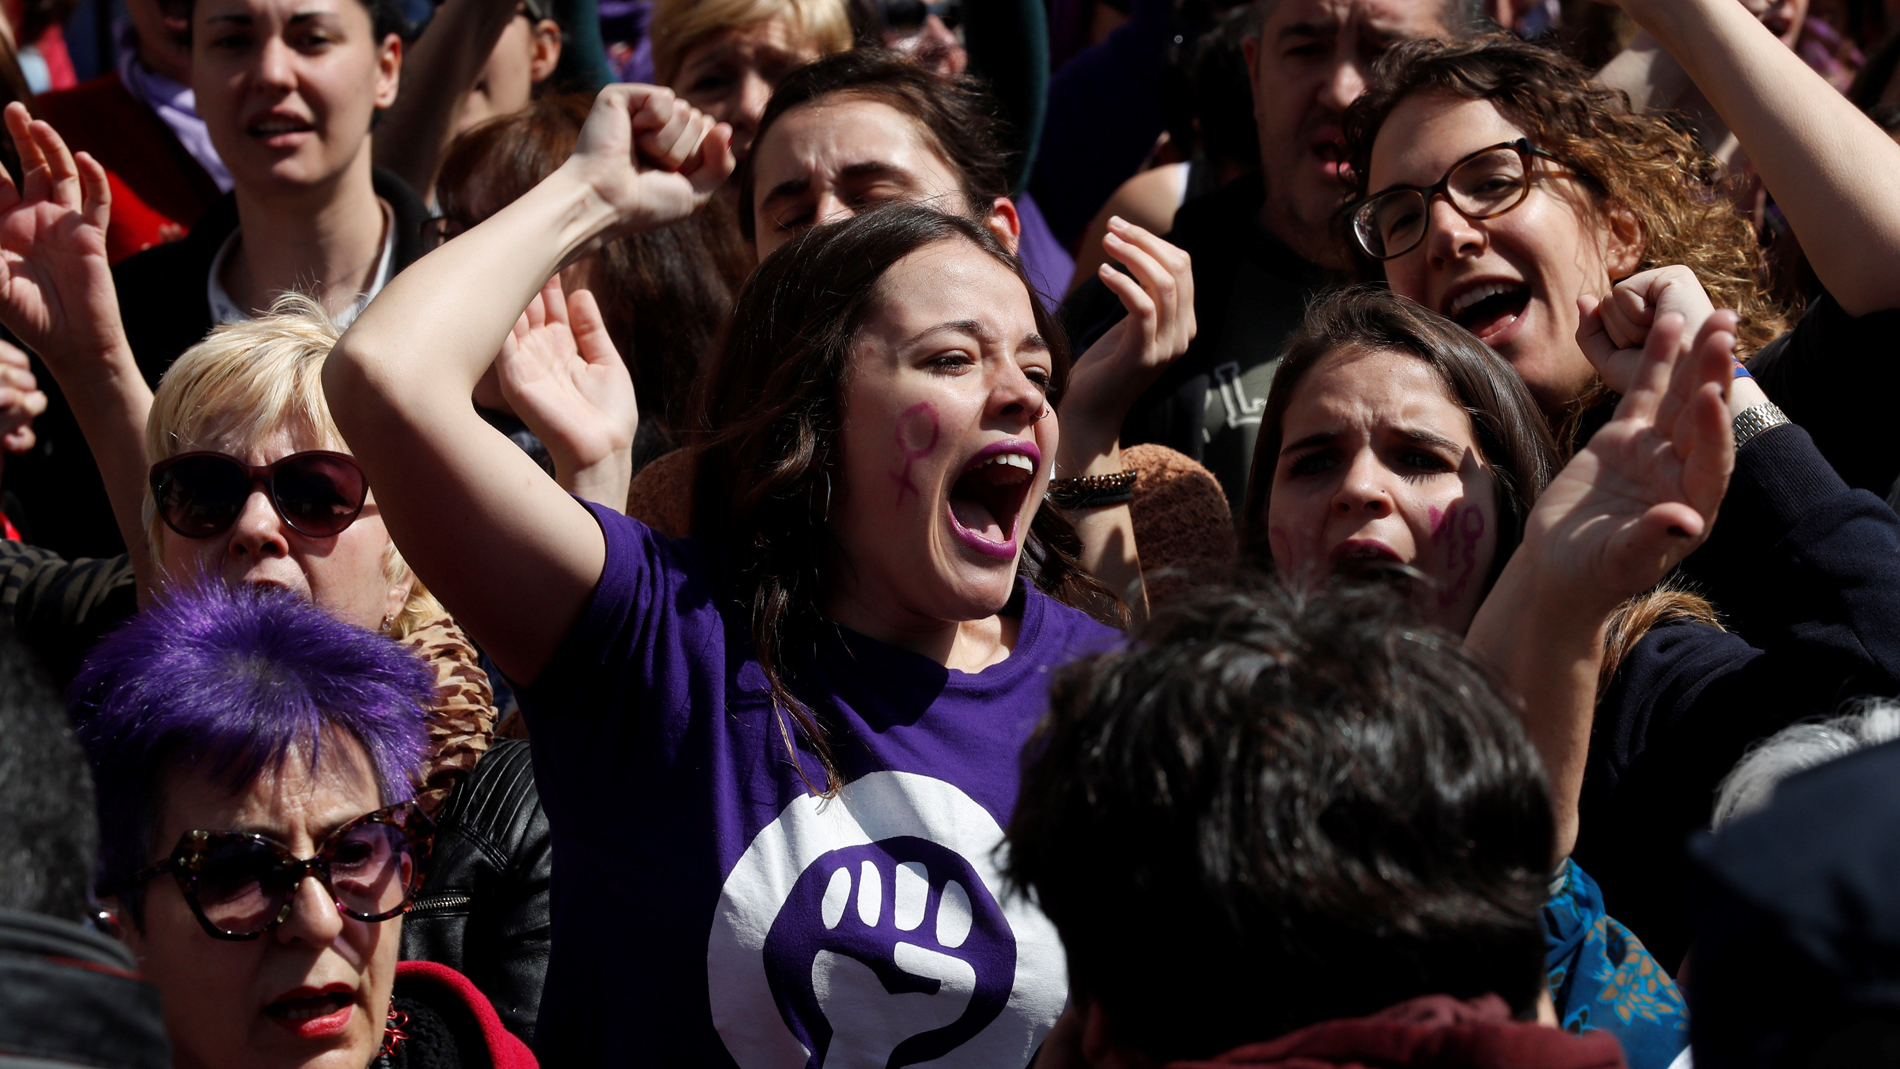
511	555
1833	173
1625	510
414	134
57	297
1158	292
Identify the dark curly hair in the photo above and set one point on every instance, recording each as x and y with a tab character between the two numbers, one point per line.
1276	809
1640	162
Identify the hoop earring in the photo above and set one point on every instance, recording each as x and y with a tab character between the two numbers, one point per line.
826	516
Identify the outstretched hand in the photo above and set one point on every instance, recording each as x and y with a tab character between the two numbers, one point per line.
1644	492
558	369
650	156
1158	292
56	291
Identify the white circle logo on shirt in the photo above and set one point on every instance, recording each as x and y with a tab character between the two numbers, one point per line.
871	930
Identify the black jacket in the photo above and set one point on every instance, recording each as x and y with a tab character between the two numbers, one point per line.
483	909
166	311
69	997
1813	566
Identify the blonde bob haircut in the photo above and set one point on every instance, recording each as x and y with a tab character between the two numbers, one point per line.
680	25
245	381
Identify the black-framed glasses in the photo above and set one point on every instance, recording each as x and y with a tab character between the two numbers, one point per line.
1483	185
240	884
907	16
317	493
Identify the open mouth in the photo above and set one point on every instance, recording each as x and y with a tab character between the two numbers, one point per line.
321	1013
1331	154
1490	309
986	501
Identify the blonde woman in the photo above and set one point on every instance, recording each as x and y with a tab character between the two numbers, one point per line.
725	57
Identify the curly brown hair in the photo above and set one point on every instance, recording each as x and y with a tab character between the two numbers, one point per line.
1639	162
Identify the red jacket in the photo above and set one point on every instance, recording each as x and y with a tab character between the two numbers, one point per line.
1434	1032
158	190
504	1050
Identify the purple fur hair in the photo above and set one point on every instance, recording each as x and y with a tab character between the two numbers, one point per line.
231	681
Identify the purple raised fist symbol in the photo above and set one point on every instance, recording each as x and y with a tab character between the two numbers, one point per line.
888	954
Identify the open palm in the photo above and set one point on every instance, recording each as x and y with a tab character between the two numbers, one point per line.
561	374
56	291
1644	492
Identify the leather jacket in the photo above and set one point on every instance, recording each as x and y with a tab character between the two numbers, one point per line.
69	997
483	907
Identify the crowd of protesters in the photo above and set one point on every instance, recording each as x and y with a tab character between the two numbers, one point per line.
1059	533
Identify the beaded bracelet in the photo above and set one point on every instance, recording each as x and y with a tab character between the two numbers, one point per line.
1093	491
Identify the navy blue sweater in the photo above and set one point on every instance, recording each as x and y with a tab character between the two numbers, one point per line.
1813	566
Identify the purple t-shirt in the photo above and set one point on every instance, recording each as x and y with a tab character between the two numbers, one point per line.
709	909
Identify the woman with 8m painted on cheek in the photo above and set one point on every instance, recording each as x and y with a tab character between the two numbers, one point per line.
1390	435
1379	465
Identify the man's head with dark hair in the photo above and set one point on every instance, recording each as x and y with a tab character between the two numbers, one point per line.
48	834
864	128
1307	61
1273	810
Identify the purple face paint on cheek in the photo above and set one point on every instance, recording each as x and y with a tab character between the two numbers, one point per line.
1458	531
916	438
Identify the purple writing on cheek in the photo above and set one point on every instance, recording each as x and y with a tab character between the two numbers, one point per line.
917	433
1458	530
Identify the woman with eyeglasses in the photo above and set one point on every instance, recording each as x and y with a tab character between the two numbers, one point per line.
248	484
1501	187
254	760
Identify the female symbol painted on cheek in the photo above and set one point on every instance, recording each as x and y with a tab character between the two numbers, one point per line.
917	433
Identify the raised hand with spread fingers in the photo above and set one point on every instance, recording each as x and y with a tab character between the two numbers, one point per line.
560	373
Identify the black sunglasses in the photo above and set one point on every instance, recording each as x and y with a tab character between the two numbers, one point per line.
1483	185
240	885
317	493
907	16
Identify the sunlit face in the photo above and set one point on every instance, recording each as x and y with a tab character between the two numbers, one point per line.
1377	461
947	443
312	993
1513	280
1311	60
523	57
833	159
344	574
731	74
287	87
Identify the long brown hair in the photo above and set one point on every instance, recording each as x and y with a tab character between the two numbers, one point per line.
1513	440
771	410
1639	162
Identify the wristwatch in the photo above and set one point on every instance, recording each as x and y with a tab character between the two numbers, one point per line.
1756	419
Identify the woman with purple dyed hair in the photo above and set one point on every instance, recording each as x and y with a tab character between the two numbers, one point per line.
259	839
